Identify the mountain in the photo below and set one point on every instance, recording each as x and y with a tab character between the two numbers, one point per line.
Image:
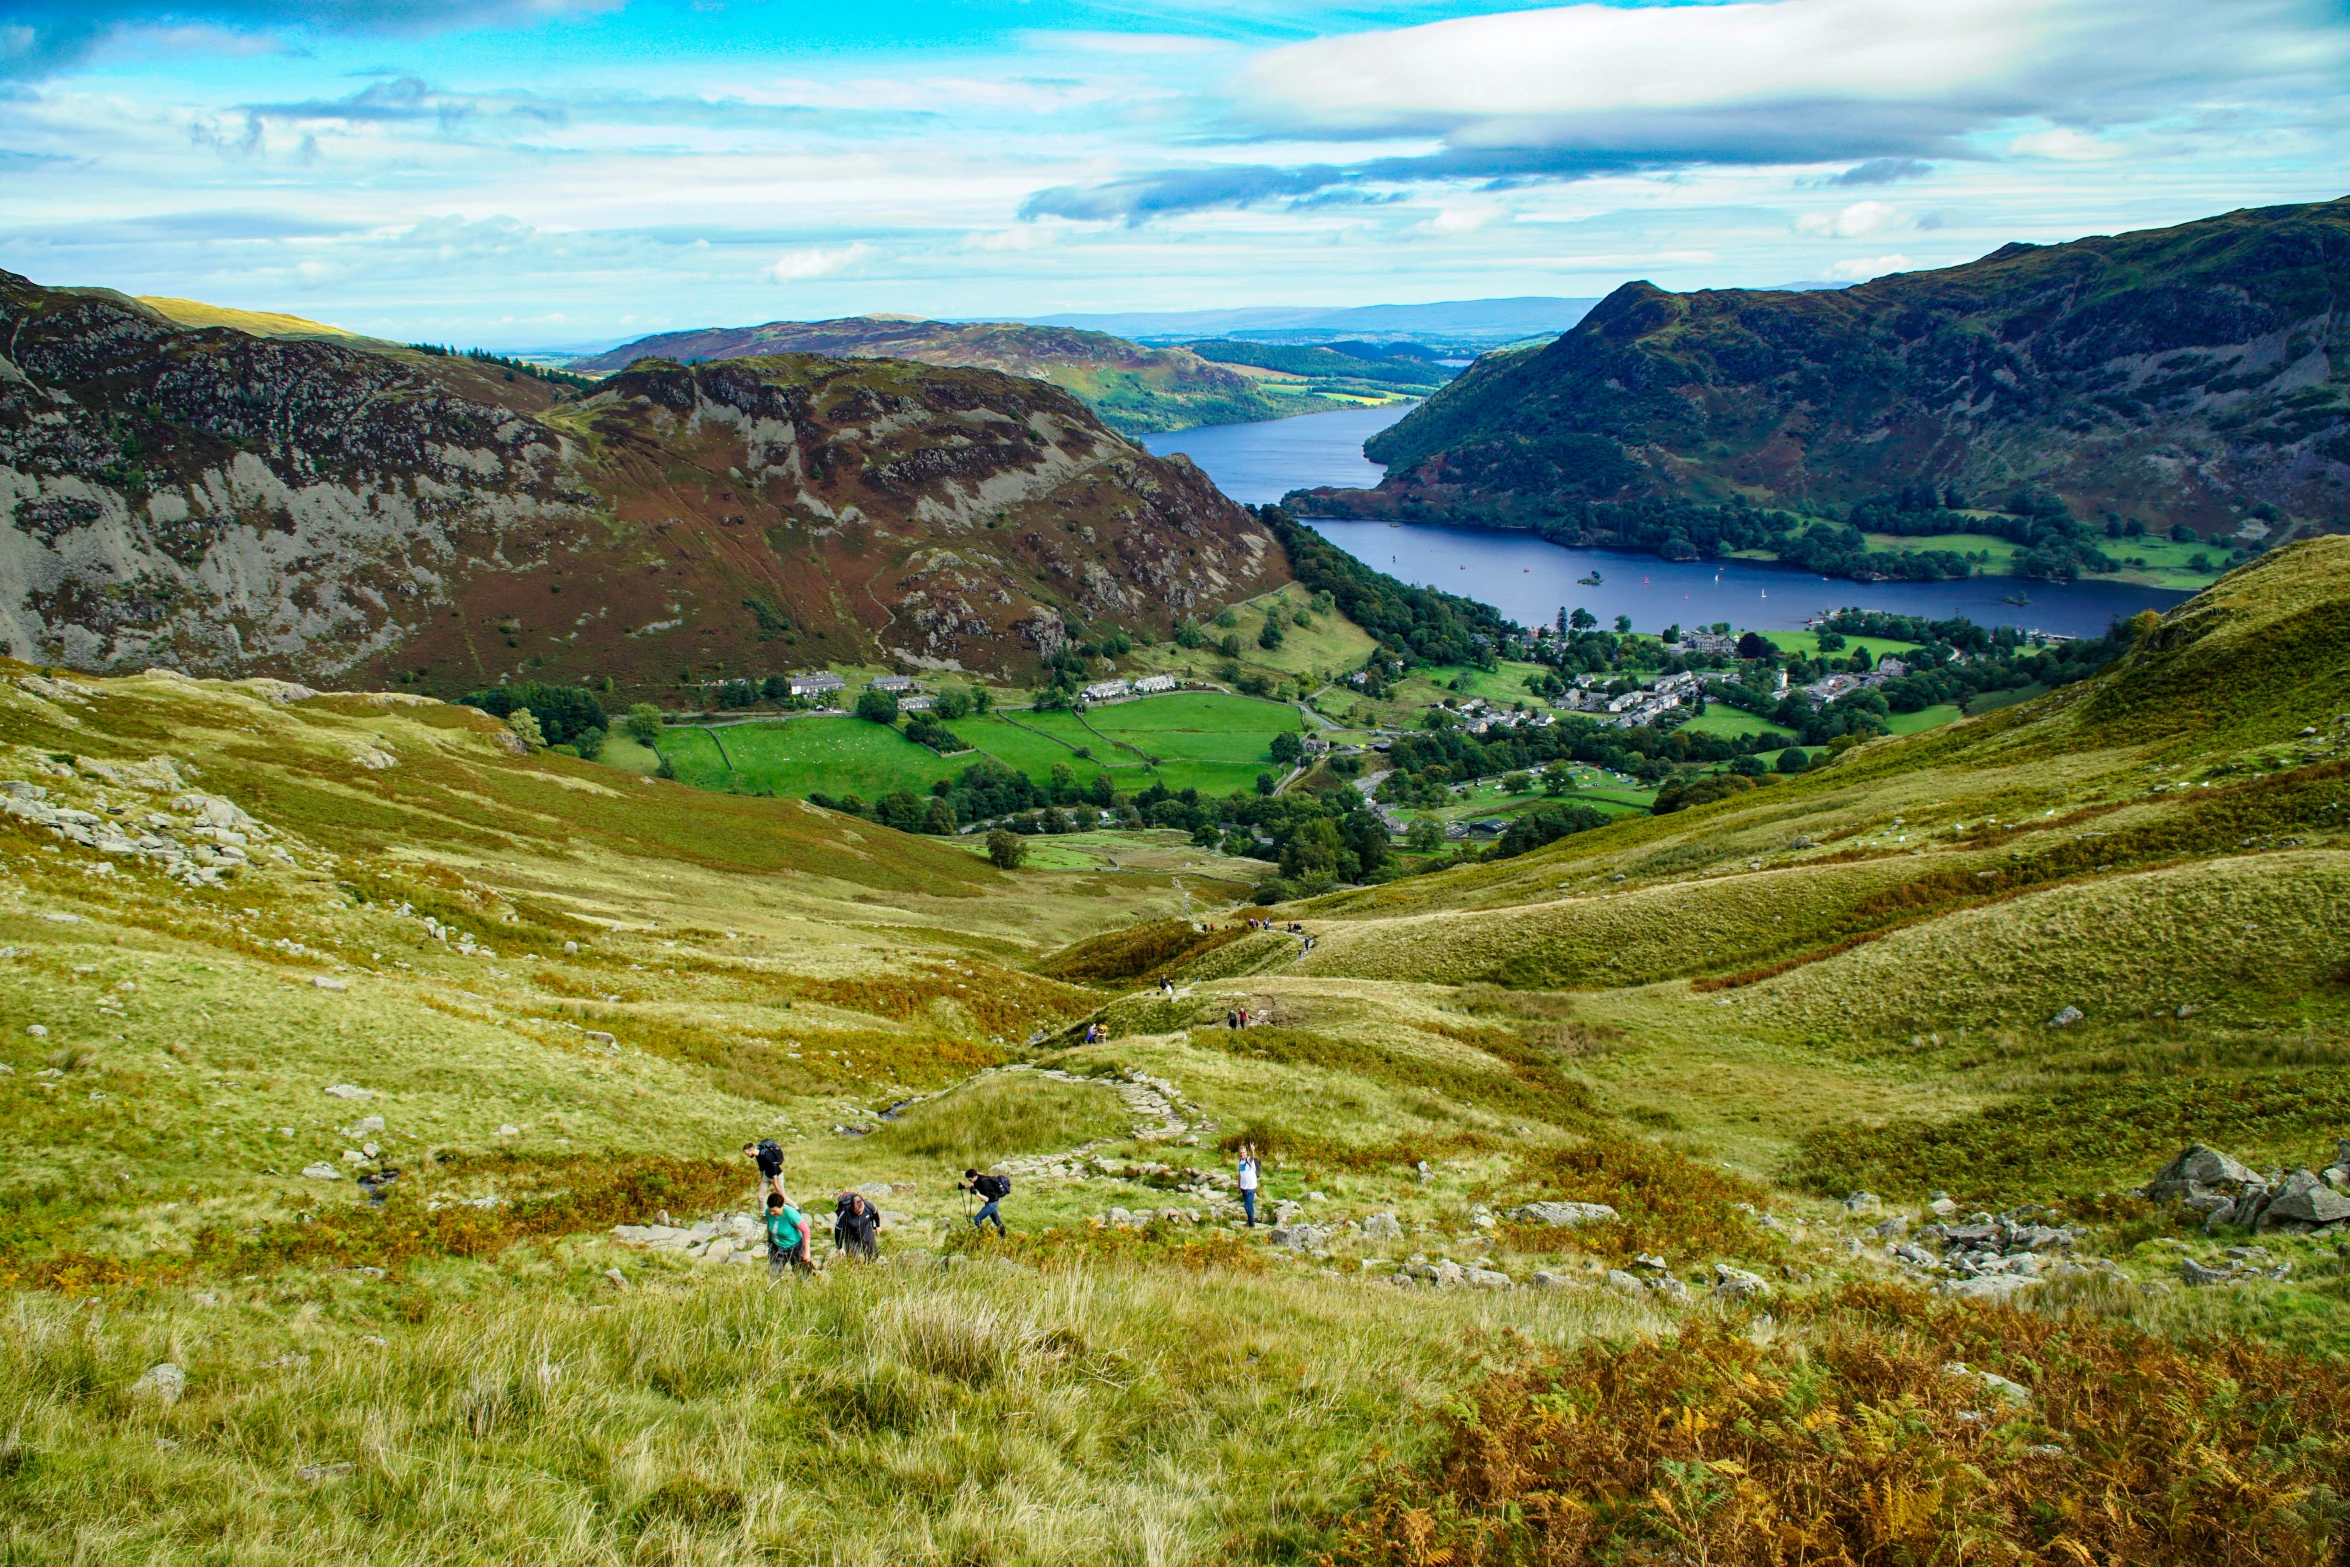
222	502
1136	390
1355	366
1471	320
256	323
2183	375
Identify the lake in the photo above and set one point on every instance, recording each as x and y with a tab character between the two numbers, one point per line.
1530	580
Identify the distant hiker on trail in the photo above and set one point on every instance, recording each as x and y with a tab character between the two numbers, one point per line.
1166	984
787	1237
767	1154
990	1190
856	1225
1248	1182
1093	1033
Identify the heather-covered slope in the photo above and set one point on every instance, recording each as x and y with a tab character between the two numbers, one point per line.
241	505
1134	389
2189	374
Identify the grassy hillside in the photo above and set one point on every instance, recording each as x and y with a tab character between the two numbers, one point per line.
1134	389
256	323
1720	1023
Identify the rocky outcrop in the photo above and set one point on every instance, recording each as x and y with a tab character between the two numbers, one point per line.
231	505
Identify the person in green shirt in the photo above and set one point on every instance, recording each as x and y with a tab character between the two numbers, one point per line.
787	1236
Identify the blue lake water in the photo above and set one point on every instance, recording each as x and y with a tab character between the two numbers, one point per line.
1531	580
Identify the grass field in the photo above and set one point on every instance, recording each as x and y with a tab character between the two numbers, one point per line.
1718	1022
797	756
1721	719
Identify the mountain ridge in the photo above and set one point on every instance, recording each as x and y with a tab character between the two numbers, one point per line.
2182	375
241	505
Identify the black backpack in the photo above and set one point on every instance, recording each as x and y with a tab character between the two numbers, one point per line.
995	1188
771	1152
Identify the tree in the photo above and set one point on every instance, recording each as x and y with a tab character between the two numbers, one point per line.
1583	619
952	703
1102	790
879	706
562	712
1287	748
524	723
1189	635
1007	851
1623	625
1754	645
1266	783
644	723
1794	759
939	817
1424	837
1270	637
1064	784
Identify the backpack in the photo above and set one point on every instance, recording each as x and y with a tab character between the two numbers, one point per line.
995	1188
770	1152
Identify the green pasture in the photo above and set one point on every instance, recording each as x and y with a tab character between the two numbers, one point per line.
1728	723
1925	718
797	756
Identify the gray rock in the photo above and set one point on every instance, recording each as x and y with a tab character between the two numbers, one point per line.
1566	1215
618	1279
1626	1284
1666	1285
2197	1168
2013	1392
1893	1228
1863	1202
162	1382
322	1171
2305	1198
1737	1284
366	1124
1993	1287
1546	1280
2067	1018
349	1091
1382	1227
1301	1237
1487	1278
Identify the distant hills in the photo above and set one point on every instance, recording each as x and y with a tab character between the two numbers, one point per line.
1134	389
1487	321
2196	375
234	504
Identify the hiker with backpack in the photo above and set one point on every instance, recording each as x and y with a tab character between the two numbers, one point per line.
1248	1182
767	1154
856	1225
787	1237
990	1190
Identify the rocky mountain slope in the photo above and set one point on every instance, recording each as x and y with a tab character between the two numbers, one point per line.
2173	375
232	504
1134	389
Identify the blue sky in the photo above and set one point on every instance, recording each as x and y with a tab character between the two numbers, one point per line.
522	173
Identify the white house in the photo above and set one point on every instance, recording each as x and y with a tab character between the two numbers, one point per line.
822	682
894	683
1108	690
1152	685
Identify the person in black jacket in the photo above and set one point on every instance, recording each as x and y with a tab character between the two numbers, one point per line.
990	1190
856	1225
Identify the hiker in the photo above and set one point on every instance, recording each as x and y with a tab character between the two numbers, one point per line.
990	1190
1248	1182
1166	984
767	1154
856	1225
787	1237
1231	1018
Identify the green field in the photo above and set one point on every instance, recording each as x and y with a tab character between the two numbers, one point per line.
1204	740
1728	722
1924	718
1808	644
798	756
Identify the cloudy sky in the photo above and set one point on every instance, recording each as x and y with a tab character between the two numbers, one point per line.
524	173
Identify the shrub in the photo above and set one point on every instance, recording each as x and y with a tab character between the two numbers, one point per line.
878	706
1854	1439
644	723
1007	851
1670	1203
1547	824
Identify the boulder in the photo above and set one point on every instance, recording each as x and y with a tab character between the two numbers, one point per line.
1566	1215
1941	1207
2013	1392
1487	1278
322	1171
2303	1197
1863	1202
1300	1237
2067	1018
1993	1287
1382	1227
1737	1284
2198	1168
1546	1280
349	1091
162	1382
1626	1284
1893	1228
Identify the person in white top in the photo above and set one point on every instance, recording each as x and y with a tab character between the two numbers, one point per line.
1248	1182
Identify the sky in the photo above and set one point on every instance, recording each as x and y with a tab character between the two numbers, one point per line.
524	174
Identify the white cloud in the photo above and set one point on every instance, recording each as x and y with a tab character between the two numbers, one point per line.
799	265
1862	217
2067	146
1466	219
1595	58
1862	268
